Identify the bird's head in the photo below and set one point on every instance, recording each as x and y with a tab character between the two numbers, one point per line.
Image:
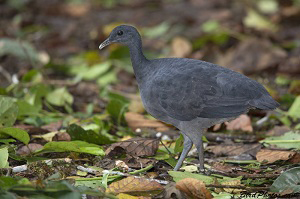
123	34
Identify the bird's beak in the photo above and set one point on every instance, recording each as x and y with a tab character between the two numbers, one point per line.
105	43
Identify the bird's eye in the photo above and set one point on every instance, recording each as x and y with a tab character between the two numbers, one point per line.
120	32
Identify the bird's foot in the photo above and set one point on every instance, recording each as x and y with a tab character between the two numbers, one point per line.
205	171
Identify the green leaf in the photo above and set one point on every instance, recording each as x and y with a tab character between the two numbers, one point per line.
116	107
27	109
16	133
7	182
210	26
78	133
20	49
59	97
156	31
8	111
268	6
4	158
282	80
294	110
257	21
177	176
287	181
95	71
289	140
179	144
7	141
72	146
107	78
33	76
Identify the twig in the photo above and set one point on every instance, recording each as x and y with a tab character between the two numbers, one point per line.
5	74
234	175
221	136
250	189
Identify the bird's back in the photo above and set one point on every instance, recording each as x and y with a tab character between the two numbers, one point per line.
185	89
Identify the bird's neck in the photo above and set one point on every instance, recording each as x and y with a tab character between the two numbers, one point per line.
138	59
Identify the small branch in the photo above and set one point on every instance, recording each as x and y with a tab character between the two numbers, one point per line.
234	175
249	189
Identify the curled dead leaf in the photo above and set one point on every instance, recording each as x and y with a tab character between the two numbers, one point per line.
235	183
136	120
233	150
181	47
135	186
193	188
243	122
28	149
135	147
273	155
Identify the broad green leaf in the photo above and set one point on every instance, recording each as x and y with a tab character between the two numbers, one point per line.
257	21
268	6
177	175
4	158
8	111
16	133
36	94
95	71
72	146
20	49
7	141
116	107
59	97
27	109
107	78
156	31
7	195
78	133
294	110
287	181
179	144
7	182
289	140
210	26
33	76
282	80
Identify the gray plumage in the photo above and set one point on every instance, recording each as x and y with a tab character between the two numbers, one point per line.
190	94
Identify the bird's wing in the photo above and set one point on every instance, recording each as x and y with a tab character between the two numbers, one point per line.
203	90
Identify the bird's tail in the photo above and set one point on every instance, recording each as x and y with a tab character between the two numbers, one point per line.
266	102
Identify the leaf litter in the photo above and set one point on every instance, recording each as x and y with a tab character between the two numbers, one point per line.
64	110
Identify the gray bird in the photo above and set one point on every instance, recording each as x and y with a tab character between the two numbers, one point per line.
190	94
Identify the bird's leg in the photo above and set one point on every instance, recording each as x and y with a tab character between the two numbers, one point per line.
187	145
199	146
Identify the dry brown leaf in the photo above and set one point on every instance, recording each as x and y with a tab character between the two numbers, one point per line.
252	55
54	126
28	149
243	122
273	155
278	131
136	105
136	120
193	188
232	150
135	147
136	186
295	159
76	10
127	196
181	47
235	183
291	65
171	192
